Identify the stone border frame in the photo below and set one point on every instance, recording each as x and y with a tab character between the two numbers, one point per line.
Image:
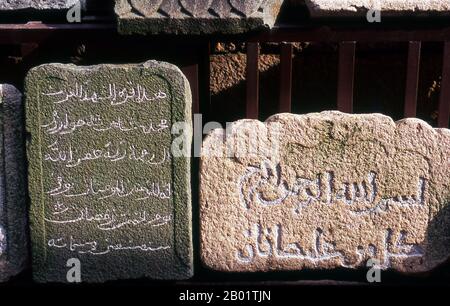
180	109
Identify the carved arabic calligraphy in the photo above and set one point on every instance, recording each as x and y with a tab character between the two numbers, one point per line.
108	220
92	247
65	125
265	186
117	95
270	242
94	139
117	188
71	158
321	189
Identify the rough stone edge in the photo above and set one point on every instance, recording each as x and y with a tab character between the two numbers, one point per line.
220	133
43	6
317	12
183	238
14	181
330	115
195	25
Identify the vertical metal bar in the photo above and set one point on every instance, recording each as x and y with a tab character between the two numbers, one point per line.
191	73
346	70
285	77
252	80
27	49
444	100
205	81
412	78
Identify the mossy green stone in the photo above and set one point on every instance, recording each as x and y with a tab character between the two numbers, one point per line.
104	186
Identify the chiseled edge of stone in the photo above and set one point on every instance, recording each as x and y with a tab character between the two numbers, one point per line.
348	8
13	187
40	5
129	24
324	116
219	133
183	239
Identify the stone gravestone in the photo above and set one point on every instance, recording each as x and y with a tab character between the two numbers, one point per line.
325	190
108	198
349	8
195	16
13	210
38	4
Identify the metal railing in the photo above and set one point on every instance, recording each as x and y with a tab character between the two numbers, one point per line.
347	41
197	67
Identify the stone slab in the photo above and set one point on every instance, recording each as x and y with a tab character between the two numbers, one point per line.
195	16
10	5
390	8
323	191
105	189
13	208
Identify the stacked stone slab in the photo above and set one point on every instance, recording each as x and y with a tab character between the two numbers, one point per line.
348	8
195	16
13	210
38	4
108	197
323	191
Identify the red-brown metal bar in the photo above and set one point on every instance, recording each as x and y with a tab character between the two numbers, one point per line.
412	78
12	33
252	81
285	77
346	70
191	73
356	33
37	31
444	100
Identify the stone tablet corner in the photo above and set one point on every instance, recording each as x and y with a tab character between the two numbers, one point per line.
387	8
136	220
39	5
195	17
13	204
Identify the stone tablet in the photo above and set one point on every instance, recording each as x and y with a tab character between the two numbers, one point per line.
348	8
325	190
38	4
195	16
13	209
105	189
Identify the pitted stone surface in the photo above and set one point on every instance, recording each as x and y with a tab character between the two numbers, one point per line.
105	187
13	208
195	16
332	8
323	191
37	4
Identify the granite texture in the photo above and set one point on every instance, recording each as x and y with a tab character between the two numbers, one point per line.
348	8
9	5
13	209
323	191
195	16
104	186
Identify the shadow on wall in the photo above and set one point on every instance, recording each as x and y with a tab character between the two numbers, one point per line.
438	235
314	79
380	75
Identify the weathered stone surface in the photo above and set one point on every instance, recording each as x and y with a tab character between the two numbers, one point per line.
104	186
195	16
325	190
328	8
37	4
13	210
